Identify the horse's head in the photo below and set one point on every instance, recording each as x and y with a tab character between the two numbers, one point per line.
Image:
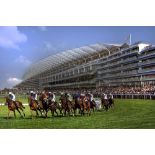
7	99
40	98
44	99
29	99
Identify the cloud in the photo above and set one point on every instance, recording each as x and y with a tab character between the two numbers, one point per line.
42	28
13	81
48	48
23	60
10	37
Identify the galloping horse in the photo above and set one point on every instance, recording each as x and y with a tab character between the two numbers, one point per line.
13	106
111	102
53	107
44	101
85	106
92	105
66	105
104	103
33	106
76	105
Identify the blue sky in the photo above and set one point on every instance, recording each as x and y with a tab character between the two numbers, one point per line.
22	46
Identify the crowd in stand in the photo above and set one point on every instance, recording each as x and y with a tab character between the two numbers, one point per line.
96	92
130	90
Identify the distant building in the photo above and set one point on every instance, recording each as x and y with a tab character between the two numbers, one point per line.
94	66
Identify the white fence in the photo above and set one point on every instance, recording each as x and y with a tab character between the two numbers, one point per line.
135	96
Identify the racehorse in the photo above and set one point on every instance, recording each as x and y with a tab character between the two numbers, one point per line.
92	105
104	103
111	102
53	107
66	105
33	106
85	106
76	105
13	106
44	101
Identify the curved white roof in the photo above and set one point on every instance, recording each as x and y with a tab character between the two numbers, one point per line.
65	56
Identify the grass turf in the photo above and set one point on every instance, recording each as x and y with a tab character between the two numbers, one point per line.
131	114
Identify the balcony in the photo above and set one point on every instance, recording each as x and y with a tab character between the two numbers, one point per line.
149	55
148	62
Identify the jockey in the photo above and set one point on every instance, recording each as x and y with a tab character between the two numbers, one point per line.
111	96
51	96
82	96
76	95
91	97
69	97
61	94
105	96
12	96
34	96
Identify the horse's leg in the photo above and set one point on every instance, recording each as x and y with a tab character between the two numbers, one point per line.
56	112
46	113
106	107
8	113
31	113
60	111
19	112
14	113
52	112
40	111
22	111
37	113
64	113
89	111
74	111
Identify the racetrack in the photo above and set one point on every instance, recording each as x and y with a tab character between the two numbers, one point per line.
127	113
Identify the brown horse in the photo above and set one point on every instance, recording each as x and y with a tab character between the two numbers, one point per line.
44	102
53	106
77	105
13	106
92	103
66	105
85	106
33	106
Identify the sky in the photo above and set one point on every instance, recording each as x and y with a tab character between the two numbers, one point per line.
21	46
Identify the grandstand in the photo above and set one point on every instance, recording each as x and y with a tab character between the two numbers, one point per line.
93	66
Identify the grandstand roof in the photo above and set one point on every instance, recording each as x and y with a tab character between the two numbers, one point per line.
67	56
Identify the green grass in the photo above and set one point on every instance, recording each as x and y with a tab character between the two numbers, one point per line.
131	114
